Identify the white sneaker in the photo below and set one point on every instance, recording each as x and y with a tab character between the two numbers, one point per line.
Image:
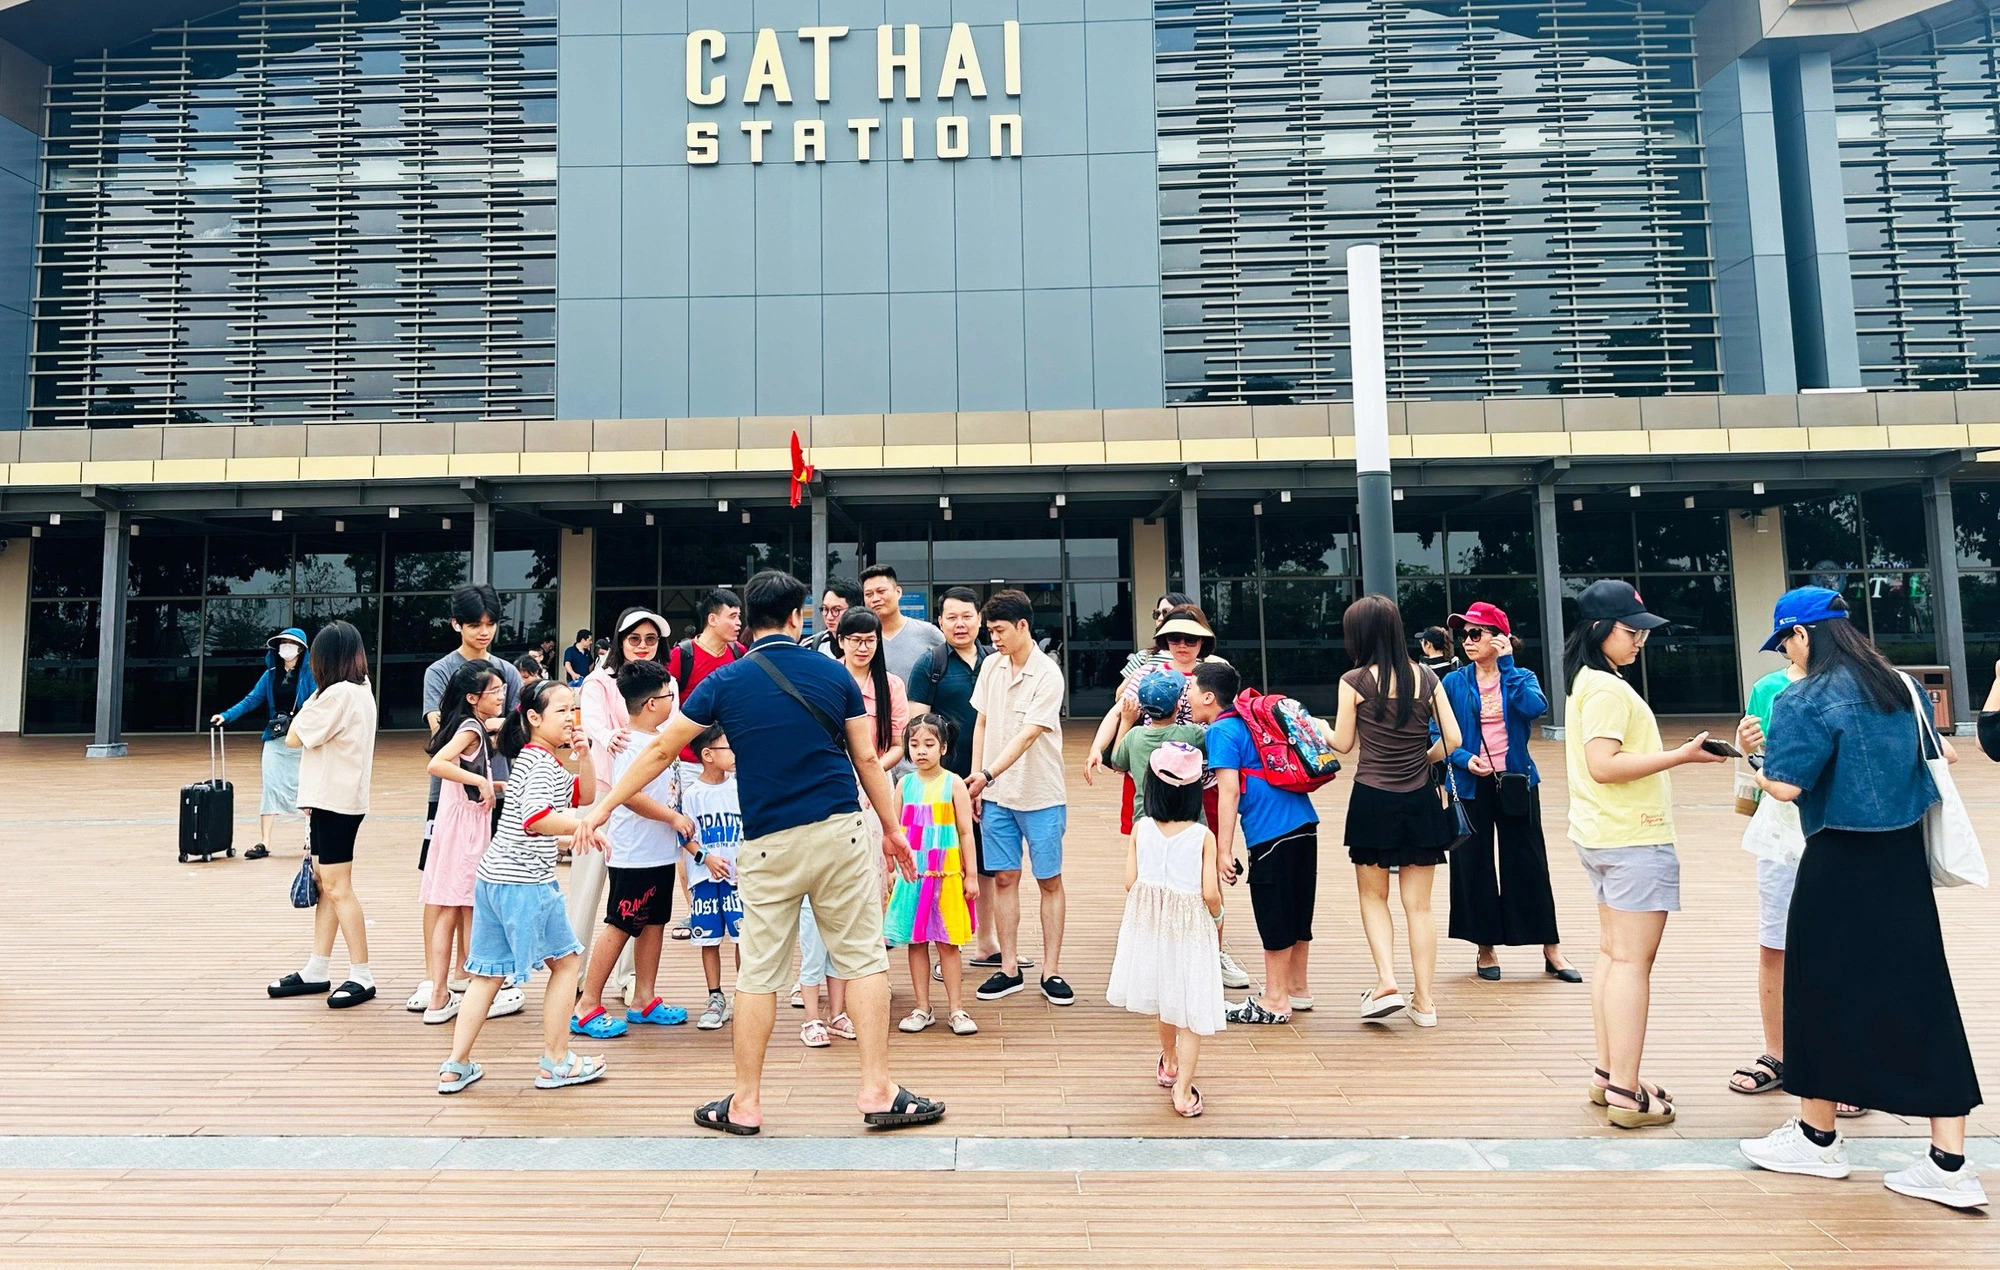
509	1001
1422	1019
1787	1149
1233	973
1374	1008
420	1000
718	1012
1925	1180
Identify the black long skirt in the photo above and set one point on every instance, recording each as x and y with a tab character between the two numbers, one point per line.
1500	892
1870	1014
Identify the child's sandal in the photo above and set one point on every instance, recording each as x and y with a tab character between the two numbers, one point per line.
453	1077
574	1069
813	1035
962	1024
917	1021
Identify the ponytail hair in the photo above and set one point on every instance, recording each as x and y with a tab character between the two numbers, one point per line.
945	730
516	732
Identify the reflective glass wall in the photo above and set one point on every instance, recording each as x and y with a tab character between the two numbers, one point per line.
1976	512
1531	168
1872	549
303	211
201	606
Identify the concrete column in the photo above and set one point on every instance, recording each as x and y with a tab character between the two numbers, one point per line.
576	584
1191	542
108	742
818	569
1753	301
14	558
1757	579
1940	528
1815	217
1149	577
482	543
1548	583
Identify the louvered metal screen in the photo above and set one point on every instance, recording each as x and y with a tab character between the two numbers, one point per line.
303	211
1920	159
1531	168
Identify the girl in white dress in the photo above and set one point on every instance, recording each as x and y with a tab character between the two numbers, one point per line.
1167	954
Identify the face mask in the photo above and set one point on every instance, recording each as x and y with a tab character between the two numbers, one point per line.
288	653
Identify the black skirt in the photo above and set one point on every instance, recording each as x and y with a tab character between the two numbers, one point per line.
1500	892
1390	830
1870	1014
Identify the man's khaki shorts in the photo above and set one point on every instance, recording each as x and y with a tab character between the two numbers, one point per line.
827	862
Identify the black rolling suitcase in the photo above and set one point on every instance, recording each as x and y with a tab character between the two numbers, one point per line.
208	809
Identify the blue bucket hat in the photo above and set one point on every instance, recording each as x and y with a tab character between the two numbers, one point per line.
1801	606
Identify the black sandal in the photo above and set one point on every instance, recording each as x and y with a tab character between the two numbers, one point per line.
257	852
350	993
1253	1011
715	1115
1761	1081
293	986
905	1110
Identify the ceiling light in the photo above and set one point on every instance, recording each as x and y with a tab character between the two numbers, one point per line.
395	513
1756	487
1688	502
649	518
617	509
1634	491
340	526
1576	504
277	513
444	522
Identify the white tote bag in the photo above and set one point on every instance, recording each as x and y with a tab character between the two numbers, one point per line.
1774	832
1949	843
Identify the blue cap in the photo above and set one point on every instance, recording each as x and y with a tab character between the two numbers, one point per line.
1801	606
1160	693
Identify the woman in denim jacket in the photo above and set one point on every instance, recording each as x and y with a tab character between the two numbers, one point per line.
284	686
1500	876
1872	1021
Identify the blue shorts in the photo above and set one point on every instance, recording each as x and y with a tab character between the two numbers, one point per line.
1003	830
715	912
517	928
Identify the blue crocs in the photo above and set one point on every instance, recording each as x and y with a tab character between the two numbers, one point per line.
658	1012
597	1025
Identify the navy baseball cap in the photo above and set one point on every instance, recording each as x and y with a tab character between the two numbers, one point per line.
1612	600
1801	606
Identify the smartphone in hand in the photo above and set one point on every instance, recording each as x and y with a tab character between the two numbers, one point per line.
1725	748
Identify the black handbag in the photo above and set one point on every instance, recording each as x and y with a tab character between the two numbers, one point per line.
1514	797
1461	820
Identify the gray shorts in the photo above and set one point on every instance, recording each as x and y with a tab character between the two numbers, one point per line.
1774	902
1634	879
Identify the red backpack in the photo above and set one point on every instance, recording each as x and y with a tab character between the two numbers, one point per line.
1290	752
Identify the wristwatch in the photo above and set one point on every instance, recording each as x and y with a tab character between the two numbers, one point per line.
986	776
700	857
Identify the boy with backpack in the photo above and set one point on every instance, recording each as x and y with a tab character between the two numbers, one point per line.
1281	830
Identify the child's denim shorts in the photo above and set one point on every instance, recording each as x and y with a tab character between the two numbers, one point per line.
517	928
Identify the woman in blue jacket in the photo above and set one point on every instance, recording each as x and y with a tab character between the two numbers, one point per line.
1500	876
284	686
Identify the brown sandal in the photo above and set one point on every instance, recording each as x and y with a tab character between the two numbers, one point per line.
1641	1117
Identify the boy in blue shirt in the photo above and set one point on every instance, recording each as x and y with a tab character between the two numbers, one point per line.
1281	836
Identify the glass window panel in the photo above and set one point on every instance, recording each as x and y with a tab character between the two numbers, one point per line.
311	613
609	604
1491	544
1976	517
339	564
629	556
1979	593
1303	643
59	688
1893	520
1419	546
1594	542
439	561
525	560
1676	541
1424	603
66	567
1321	546
249	565
1900	604
239	629
164	565
1690	667
529	618
1228	541
1097	550
1823	538
975	552
907	550
417	626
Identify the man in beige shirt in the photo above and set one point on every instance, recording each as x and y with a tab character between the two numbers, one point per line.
1017	782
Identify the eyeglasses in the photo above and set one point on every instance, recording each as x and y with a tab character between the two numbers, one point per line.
498	687
664	696
1160	613
1638	636
643	641
860	641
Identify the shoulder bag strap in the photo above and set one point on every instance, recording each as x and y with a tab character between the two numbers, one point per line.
834	732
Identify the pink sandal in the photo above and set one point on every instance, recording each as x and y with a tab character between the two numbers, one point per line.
812	1035
842	1027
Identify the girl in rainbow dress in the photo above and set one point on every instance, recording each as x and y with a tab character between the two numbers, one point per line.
936	908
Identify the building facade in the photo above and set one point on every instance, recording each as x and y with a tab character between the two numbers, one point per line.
320	308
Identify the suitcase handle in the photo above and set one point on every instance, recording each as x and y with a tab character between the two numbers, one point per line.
218	754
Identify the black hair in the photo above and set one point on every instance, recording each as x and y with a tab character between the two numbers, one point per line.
1167	803
1436	637
1010	605
602	645
469	680
1585	647
1373	626
963	594
707	739
1220	678
338	656
639	682
946	729
581	636
862	622
712	603
1837	645
880	571
517	731
1174	600
770	600
614	657
529	664
476	603
849	591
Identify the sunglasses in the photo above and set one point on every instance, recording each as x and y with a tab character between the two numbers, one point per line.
1178	638
1473	634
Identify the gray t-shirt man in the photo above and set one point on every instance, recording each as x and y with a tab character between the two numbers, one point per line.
911	645
437	677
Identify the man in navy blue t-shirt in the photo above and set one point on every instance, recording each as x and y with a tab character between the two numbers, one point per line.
1281	837
796	722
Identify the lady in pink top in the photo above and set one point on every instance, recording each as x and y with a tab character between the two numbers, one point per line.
639	635
1500	877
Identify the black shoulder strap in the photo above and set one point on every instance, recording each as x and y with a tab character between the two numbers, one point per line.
834	732
684	653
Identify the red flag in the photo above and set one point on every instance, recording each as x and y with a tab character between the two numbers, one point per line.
802	471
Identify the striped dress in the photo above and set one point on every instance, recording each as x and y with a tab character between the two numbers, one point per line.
931	909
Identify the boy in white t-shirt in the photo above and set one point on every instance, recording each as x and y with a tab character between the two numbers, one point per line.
716	910
646	837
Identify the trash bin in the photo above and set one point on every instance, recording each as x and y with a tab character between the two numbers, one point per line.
1936	683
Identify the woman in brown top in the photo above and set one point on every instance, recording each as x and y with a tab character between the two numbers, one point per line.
1396	817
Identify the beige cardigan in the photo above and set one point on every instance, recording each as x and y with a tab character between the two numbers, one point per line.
336	726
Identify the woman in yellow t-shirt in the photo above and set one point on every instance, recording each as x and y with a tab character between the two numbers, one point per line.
1621	820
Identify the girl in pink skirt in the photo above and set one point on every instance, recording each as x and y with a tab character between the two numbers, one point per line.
461	757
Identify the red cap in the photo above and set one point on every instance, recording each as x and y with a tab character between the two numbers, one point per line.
1481	614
